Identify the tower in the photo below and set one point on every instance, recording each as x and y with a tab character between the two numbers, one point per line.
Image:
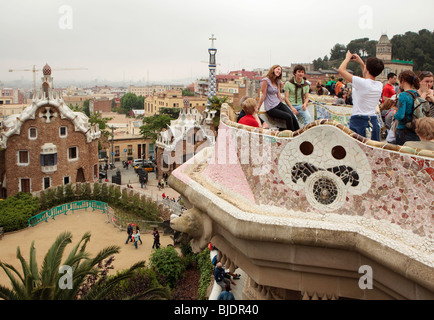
384	48
212	87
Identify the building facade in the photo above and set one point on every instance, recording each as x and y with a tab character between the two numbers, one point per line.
47	145
170	99
384	52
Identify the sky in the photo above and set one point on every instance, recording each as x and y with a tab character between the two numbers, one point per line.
167	41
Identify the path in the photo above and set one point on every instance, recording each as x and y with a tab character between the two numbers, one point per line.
103	234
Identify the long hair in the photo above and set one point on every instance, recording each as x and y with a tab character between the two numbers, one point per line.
272	76
409	77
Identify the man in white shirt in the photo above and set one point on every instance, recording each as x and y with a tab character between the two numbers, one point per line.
366	94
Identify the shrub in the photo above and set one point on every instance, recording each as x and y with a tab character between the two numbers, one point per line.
167	264
206	270
15	211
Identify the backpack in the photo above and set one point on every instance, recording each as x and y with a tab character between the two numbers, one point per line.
421	109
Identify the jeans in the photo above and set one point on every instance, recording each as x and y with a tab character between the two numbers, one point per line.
304	113
282	111
359	124
404	135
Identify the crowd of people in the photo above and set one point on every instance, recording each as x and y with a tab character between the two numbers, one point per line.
406	102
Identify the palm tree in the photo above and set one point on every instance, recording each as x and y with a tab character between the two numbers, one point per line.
215	103
48	283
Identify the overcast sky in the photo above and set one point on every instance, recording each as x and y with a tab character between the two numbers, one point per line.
167	40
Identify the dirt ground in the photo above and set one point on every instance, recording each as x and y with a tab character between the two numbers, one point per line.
103	234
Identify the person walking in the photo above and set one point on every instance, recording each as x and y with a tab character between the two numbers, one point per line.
130	233
136	238
156	235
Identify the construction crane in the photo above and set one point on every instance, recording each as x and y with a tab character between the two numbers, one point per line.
34	70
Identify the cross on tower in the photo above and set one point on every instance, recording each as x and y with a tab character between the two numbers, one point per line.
212	40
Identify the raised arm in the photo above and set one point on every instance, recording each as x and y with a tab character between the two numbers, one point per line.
343	67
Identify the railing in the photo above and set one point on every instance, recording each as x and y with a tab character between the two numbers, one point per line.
64	208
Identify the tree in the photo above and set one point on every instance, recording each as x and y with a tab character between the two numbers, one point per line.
130	101
86	107
48	283
216	104
153	125
338	52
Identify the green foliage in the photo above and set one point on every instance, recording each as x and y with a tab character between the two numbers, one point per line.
411	46
153	125
44	283
187	93
143	284
16	210
69	193
167	264
206	270
130	101
418	47
172	112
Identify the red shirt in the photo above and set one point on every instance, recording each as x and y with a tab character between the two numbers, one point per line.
388	91
249	120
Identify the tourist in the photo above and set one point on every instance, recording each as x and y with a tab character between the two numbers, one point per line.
226	295
130	233
425	131
426	79
136	238
340	98
339	86
220	278
138	232
243	113
366	94
389	87
321	90
156	235
331	84
409	83
390	108
297	94
271	88
251	118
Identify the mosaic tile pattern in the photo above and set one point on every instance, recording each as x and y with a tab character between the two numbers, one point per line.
325	167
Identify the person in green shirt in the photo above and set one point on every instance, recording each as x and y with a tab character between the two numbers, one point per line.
297	94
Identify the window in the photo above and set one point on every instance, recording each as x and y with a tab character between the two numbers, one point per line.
117	153
48	159
73	153
66	180
33	133
23	157
95	171
130	149
63	132
47	182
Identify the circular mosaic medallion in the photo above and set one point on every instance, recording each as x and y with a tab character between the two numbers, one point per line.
325	191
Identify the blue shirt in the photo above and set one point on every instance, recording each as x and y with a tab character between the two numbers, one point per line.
405	108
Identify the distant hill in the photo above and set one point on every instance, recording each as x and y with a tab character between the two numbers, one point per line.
418	47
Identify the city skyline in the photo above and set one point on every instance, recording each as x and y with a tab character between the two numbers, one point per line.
167	41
